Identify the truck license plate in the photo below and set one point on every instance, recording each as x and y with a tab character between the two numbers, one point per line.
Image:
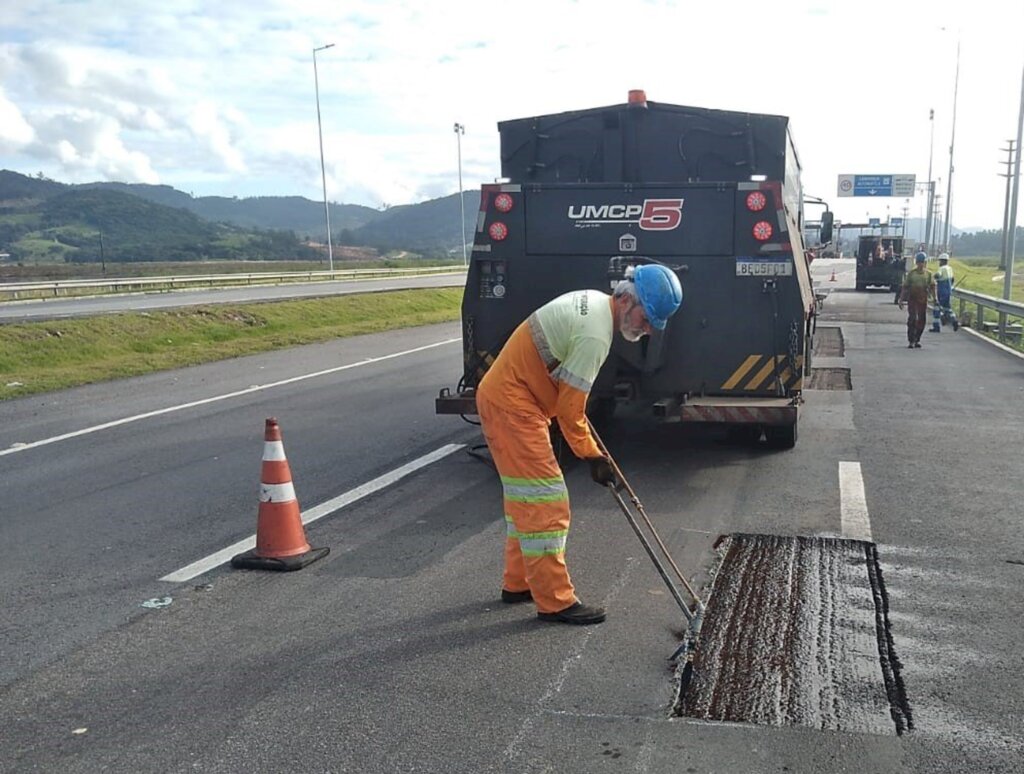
763	267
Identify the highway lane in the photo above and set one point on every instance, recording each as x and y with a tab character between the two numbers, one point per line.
58	308
393	654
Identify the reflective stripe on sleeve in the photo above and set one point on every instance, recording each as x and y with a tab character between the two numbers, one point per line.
540	341
562	374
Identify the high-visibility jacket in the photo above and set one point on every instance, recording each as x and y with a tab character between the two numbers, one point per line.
944	274
550	362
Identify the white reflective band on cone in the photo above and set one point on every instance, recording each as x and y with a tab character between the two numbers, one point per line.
273	451
277	493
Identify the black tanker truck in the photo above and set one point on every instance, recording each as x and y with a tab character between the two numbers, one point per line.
713	194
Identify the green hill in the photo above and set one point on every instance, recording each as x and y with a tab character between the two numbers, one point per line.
42	219
430	227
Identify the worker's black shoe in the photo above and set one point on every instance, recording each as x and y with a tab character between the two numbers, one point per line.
514	597
910	345
917	345
576	613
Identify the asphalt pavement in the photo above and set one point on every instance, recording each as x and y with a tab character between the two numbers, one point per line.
394	652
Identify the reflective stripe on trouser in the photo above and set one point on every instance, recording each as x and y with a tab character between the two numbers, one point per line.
536	505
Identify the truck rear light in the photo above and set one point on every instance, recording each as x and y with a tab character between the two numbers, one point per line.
498	231
503	202
756	201
762	231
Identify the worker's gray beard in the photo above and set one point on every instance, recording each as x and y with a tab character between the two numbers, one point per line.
630	333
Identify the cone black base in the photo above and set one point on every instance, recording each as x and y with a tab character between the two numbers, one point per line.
250	560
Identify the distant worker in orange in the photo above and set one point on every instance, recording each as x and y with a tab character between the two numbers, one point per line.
918	287
544	372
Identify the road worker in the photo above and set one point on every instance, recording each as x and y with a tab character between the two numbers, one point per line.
544	372
942	312
918	287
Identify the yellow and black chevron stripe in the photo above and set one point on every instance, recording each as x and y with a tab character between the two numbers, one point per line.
757	372
481	363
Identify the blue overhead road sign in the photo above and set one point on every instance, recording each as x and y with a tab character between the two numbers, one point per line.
877	185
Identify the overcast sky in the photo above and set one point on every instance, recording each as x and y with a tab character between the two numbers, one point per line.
218	98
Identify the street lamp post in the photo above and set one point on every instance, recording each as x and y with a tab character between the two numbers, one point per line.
460	130
323	173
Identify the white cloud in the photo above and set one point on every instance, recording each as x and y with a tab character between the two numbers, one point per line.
15	131
220	99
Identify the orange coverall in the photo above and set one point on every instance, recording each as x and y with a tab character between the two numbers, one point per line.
516	400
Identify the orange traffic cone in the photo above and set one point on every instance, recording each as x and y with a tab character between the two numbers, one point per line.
280	538
833	278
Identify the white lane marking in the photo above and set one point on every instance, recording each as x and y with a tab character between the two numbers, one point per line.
318	512
853	505
227	396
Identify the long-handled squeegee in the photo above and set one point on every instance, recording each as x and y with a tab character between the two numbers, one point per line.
694	616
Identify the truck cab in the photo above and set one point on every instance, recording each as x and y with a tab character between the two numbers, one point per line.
880	262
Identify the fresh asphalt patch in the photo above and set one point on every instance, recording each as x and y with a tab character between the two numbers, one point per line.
796	633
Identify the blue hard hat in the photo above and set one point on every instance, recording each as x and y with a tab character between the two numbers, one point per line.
659	292
921	257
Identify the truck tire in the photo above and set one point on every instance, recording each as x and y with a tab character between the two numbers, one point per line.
861	286
781	436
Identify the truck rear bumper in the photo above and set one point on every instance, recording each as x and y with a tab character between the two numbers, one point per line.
770	412
463	403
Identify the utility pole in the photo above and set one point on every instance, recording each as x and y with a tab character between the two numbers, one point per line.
103	256
1004	246
931	184
1008	278
952	139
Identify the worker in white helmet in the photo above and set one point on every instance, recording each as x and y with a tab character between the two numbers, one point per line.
943	309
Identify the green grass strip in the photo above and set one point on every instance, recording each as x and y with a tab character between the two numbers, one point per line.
45	356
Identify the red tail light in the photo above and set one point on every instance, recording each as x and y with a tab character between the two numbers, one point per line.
756	201
498	231
762	231
503	202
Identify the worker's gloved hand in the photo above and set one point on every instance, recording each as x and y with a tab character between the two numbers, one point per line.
601	470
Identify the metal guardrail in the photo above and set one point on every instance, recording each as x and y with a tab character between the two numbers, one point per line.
14	290
1004	310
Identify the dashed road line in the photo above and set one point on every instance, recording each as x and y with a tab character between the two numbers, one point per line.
853	505
20	447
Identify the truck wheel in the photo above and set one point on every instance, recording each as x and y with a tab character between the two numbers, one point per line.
781	436
861	287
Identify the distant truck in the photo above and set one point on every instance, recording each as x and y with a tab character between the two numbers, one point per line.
880	262
715	195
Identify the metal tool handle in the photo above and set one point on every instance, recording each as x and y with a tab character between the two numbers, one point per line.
654	533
